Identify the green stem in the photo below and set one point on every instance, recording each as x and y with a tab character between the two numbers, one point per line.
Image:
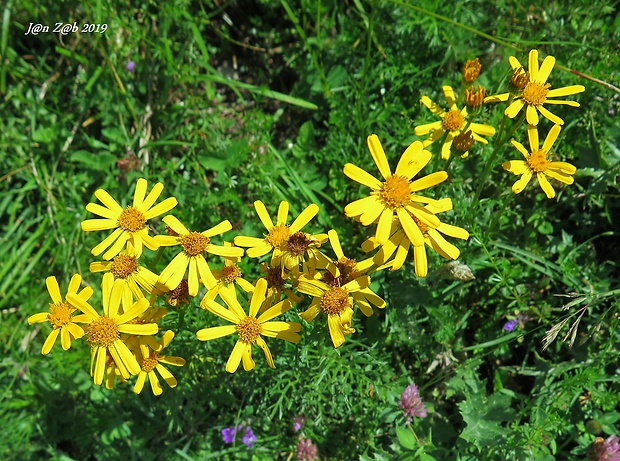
498	146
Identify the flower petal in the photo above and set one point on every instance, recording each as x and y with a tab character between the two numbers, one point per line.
532	135
176	225
358	207
378	155
531	115
427	128
545	69
518	186
207	334
161	208
544	184
429	181
108	201
413	160
263	215
553	134
550	116
420	261
53	289
304	218
140	192
513	109
566	91
222	227
358	175
235	357
432	106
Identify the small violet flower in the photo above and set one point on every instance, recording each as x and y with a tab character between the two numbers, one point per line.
510	324
249	438
298	423
228	435
130	66
411	403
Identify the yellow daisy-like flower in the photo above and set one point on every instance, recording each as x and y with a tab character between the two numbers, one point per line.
249	327
104	331
195	246
335	301
399	243
537	162
536	92
130	222
288	243
126	267
60	314
227	276
347	270
452	122
396	196
154	362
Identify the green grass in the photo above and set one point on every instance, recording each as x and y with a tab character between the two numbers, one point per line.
232	102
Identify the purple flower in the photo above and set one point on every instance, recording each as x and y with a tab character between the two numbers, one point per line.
130	66
298	422
605	450
306	450
249	438
228	434
411	403
510	324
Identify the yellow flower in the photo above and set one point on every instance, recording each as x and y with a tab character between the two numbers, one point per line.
130	222
154	362
60	314
127	268
536	162
536	92
103	331
452	122
288	243
335	301
397	194
227	276
249	327
195	246
346	270
399	243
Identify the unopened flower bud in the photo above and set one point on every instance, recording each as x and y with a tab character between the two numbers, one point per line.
463	142
471	70
519	80
475	99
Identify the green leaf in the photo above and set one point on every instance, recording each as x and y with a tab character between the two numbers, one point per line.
102	161
406	438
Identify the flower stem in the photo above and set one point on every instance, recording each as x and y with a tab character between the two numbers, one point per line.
498	146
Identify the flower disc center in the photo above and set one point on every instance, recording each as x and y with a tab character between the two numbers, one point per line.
395	192
123	266
149	363
538	162
535	93
249	330
335	300
298	243
194	243
60	314
278	235
103	332
131	219
230	273
453	120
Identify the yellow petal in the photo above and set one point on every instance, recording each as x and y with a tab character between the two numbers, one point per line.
432	106
560	176
427	128
222	227
448	92
358	175
550	116
161	208
545	69
98	224
554	132
544	184
378	155
304	218
282	212
263	215
518	186
413	232
99	210
447	248
513	109
372	212
49	342
531	115
207	334
53	289
566	91
246	358
532	64
108	201
176	225
479	128
420	261
335	330
429	181
150	199
235	357
413	160
532	134
358	207
140	192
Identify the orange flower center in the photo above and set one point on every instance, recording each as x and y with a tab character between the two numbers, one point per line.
274	278
103	332
249	330
230	273
278	235
149	363
194	243
453	120
535	93
335	300
131	219
123	266
537	162
347	270
179	295
423	227
395	192
298	243
60	314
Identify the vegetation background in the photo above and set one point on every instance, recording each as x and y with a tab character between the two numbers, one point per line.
228	102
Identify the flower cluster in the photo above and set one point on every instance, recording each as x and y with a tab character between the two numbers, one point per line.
412	404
